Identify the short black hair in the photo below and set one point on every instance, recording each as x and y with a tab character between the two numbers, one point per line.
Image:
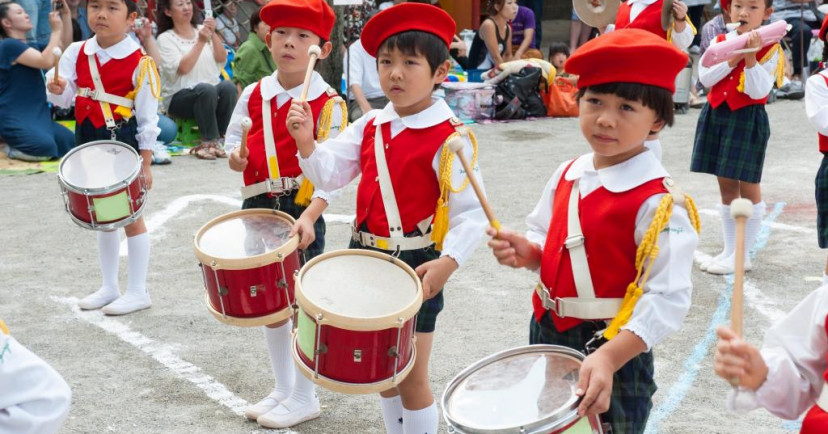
556	48
130	5
415	43
658	99
255	19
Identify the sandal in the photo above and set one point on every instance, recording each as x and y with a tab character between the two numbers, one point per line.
202	152
218	151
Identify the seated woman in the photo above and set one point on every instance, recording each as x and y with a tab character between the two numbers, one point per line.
27	125
192	58
253	60
492	44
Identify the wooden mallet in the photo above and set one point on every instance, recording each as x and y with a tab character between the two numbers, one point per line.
740	210
313	53
456	145
246	123
57	52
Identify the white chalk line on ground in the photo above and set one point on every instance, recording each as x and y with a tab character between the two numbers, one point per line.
156	222
773	225
692	365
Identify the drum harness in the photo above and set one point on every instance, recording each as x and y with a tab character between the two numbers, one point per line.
586	306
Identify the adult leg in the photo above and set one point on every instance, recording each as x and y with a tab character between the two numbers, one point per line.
227	96
800	35
64	139
695	14
586	31
574	33
200	103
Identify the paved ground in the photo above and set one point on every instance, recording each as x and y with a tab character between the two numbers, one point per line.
175	369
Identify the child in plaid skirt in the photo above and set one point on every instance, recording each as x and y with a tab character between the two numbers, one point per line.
593	296
733	131
816	107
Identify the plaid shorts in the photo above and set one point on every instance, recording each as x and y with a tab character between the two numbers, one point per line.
285	204
731	144
821	183
427	316
633	386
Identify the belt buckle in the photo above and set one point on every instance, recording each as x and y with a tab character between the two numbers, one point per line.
593	344
274	186
574	241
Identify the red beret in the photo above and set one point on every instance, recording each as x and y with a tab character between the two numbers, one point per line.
627	56
404	17
724	5
313	15
823	29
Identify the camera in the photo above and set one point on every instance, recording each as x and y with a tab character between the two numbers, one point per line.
58	5
139	22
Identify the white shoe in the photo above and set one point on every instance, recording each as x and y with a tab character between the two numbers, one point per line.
268	403
160	154
99	298
128	303
725	266
284	417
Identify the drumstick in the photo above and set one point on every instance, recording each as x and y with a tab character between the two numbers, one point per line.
456	145
313	52
57	52
246	123
740	210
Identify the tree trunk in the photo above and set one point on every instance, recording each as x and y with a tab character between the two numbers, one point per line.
331	68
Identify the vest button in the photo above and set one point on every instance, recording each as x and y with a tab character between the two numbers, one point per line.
725	94
376	179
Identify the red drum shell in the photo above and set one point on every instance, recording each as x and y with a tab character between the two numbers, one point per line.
78	204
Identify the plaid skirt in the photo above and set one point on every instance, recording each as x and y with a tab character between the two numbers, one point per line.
633	386
731	144
427	316
285	204
822	202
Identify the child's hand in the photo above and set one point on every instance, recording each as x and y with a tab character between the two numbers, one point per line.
55	22
736	359
434	275
300	121
303	227
679	10
513	249
237	161
56	89
754	40
595	384
146	157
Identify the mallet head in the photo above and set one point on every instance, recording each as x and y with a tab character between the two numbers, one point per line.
741	208
246	123
314	50
57	51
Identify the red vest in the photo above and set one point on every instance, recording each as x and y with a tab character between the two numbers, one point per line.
649	19
610	247
816	419
823	140
725	90
116	77
409	156
256	170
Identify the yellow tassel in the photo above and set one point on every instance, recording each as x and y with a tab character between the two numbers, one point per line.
3	328
440	227
146	69
689	23
779	72
441	213
305	192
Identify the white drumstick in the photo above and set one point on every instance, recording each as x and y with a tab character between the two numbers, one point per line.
313	53
740	210
456	145
57	52
246	123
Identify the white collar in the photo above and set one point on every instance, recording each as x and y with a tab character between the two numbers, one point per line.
641	2
622	176
436	113
272	88
118	51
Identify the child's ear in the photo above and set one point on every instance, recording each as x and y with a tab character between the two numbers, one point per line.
442	72
327	47
768	13
658	125
131	17
267	40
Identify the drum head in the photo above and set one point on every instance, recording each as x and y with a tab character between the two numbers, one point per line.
99	165
244	235
355	285
531	387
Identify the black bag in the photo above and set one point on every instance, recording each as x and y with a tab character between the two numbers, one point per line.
522	88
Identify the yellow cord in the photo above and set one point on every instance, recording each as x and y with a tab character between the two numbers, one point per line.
146	70
3	328
305	193
689	23
441	213
779	72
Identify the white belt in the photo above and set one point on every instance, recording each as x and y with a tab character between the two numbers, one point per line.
277	186
368	239
578	307
822	401
86	92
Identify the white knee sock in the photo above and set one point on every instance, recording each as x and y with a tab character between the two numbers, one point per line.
303	391
108	254
138	260
278	345
728	232
425	421
754	224
392	414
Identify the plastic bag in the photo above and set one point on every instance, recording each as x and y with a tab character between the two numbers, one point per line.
561	99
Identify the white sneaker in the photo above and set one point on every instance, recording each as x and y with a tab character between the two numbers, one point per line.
99	298
268	403
283	416
725	266
160	155
128	303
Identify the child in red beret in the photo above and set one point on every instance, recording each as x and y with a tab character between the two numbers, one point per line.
615	279
273	179
413	203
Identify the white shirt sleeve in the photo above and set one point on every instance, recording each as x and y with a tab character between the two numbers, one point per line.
666	299
710	76
794	350
540	217
336	127
683	39
146	112
35	398
354	67
232	138
66	66
171	55
759	79
816	103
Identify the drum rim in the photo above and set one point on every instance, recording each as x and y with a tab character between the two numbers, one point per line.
391	320
554	421
277	255
101	190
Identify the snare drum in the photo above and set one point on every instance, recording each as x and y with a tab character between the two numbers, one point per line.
355	328
527	389
247	261
103	185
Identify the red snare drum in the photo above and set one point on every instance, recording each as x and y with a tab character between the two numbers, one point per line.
103	185
355	330
247	261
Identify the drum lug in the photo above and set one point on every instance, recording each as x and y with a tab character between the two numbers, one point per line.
282	283
357	356
392	352
223	291
253	290
322	349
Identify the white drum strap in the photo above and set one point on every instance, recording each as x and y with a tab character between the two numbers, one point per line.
270	144
575	245
389	200
100	93
822	401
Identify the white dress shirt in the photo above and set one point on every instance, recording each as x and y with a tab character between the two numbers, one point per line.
362	71
759	79
272	88
794	350
816	102
336	163
666	299
681	40
146	105
173	48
